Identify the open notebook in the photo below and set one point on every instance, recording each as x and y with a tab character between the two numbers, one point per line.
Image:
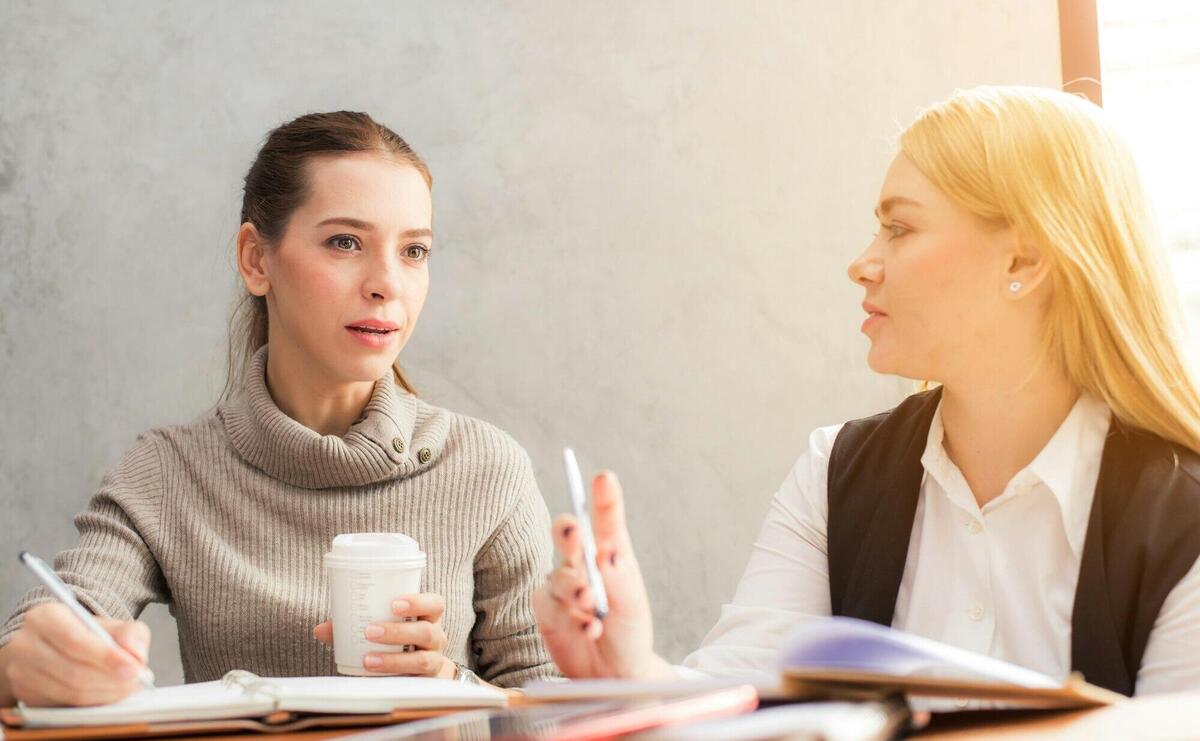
846	657
244	695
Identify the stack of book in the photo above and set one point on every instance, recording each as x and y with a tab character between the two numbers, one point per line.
837	678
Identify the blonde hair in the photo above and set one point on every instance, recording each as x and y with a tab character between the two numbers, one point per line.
1049	165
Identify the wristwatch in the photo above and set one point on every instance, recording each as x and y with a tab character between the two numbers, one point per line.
465	675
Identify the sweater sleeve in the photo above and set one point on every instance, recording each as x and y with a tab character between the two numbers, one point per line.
507	647
112	569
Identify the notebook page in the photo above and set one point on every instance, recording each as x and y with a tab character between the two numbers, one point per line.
857	645
620	689
201	701
378	694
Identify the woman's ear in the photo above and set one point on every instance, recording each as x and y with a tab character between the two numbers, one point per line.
251	249
1027	268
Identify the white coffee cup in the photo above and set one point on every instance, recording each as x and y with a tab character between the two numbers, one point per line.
367	571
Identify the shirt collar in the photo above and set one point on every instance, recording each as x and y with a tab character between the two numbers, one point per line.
1064	465
1068	465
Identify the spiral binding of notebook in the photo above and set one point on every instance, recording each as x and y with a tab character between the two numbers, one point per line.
252	684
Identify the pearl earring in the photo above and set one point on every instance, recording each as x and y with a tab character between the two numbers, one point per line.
1014	286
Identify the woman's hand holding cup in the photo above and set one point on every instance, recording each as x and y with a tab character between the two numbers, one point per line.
418	624
622	644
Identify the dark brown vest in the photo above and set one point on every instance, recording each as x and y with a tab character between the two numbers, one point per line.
1143	532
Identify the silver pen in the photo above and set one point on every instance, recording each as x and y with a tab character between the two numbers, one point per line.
579	504
46	576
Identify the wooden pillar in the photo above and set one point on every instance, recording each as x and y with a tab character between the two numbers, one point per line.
1079	38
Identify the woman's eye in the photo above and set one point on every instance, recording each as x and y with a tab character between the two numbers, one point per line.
895	230
416	252
343	243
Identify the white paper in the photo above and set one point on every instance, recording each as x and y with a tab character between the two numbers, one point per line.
619	689
380	694
201	701
263	695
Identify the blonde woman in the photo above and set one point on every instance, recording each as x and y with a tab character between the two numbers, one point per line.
1042	504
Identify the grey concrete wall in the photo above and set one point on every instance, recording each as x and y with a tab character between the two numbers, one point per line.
644	211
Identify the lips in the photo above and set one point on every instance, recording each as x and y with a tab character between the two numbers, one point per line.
373	326
373	333
872	309
874	315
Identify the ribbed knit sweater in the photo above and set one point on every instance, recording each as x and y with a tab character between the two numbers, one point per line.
226	520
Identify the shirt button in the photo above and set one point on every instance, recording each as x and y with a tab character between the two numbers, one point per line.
975	528
398	444
961	702
975	613
424	455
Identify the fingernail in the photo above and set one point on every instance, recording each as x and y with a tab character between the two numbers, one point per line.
578	593
584	627
567	531
372	662
400	605
612	559
373	631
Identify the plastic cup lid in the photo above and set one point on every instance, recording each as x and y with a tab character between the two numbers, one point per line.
359	547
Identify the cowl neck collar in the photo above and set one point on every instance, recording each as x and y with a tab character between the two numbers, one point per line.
377	447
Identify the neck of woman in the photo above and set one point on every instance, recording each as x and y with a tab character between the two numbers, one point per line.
304	393
995	428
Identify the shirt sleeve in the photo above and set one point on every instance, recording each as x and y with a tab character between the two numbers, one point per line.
787	578
1172	659
112	570
507	647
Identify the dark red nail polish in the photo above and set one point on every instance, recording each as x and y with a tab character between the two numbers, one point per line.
612	559
585	626
568	530
578	593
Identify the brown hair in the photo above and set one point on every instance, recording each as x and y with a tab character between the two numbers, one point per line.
275	187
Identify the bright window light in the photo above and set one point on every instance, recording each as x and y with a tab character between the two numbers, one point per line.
1150	76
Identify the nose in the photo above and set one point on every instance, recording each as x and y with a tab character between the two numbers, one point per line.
384	278
867	268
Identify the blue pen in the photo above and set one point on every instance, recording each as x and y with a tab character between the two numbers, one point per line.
46	576
579	504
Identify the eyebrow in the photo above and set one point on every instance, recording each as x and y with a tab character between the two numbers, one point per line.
367	226
887	204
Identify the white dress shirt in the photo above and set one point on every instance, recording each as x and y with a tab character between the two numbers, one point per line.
998	580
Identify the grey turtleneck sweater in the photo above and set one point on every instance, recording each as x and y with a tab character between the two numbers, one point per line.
226	520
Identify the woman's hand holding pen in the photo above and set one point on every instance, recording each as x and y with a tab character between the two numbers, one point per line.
419	624
53	660
621	645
